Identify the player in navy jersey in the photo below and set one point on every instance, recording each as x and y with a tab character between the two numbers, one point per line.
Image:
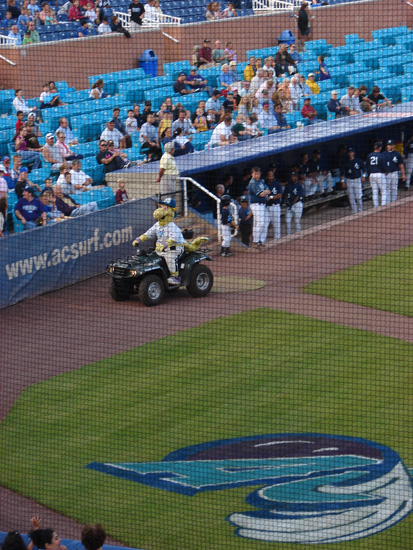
393	162
376	170
408	155
274	203
293	197
227	222
352	172
258	192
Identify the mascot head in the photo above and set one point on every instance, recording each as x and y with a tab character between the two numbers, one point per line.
165	212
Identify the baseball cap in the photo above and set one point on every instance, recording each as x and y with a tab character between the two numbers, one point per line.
310	74
305	99
193	69
5	158
33	115
265	104
207	40
168	202
182	73
216	92
230	93
29	189
391	142
350	150
2	169
244	198
147	102
24	169
232	63
111	121
334	92
294	174
49	135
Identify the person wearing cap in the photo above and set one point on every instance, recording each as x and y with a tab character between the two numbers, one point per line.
3	183
5	162
273	205
318	174
334	105
205	53
230	103
29	209
23	181
352	173
51	152
312	84
219	57
394	163
180	86
293	199
309	112
168	175
27	154
104	27
233	71
258	192
245	220
197	82
112	161
351	103
112	133
376	170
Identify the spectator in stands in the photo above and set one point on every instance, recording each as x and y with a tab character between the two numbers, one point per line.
66	184
231	53
104	27
121	128
197	82
269	86
166	122
205	53
257	81
131	123
51	152
33	133
116	26
252	126
150	10
182	122
7	172
75	13
157	7
309	112
33	8
14	172
96	91
366	105
47	15
112	133
334	106
100	9
200	122
240	131
292	50
229	104
7	22
214	104
111	161
25	152
245	88
3	184
218	54
64	149
312	84
64	127
323	71
250	70
23	181
284	63
182	144
11	7
83	29
256	107
90	14
233	71
226	78
137	13
303	24
80	180
23	21
306	90
229	12
244	108
69	207
222	134
20	104
210	12
180	85
282	96
148	138
35	37
280	118
49	204
166	136
121	195
62	170
29	210
27	38
267	120
195	56
376	97
350	103
296	91
47	99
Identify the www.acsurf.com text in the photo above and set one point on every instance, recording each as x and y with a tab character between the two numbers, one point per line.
68	252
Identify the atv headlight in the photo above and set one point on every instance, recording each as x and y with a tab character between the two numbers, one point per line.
133	273
110	269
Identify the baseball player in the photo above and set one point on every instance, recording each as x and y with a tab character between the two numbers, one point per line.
227	222
376	170
169	239
408	155
293	198
258	192
318	174
393	163
274	207
352	172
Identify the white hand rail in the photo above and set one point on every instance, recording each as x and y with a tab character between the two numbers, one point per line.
7	40
275	5
207	192
150	20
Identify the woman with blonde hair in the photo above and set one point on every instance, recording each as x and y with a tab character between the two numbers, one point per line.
244	107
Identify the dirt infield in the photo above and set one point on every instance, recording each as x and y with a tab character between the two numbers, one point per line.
81	324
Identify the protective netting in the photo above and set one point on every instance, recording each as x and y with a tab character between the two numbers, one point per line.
258	400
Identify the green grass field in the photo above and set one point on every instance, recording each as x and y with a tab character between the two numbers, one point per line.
259	372
382	283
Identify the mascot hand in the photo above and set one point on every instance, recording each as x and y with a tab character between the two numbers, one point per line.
171	242
159	247
200	240
136	243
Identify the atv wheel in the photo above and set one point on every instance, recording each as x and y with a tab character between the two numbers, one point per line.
151	290
118	292
201	281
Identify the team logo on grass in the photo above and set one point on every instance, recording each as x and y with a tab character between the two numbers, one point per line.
313	488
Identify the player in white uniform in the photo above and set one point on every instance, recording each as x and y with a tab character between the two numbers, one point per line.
393	162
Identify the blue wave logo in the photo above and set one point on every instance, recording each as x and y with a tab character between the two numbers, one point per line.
314	488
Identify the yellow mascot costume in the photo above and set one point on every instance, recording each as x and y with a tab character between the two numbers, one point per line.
170	243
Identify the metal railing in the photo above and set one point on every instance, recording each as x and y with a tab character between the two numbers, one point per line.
151	20
184	182
7	40
275	5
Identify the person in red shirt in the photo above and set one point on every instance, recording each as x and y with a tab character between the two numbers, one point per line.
121	194
205	53
309	112
75	13
19	123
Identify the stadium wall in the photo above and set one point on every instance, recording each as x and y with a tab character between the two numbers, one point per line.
75	60
52	257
